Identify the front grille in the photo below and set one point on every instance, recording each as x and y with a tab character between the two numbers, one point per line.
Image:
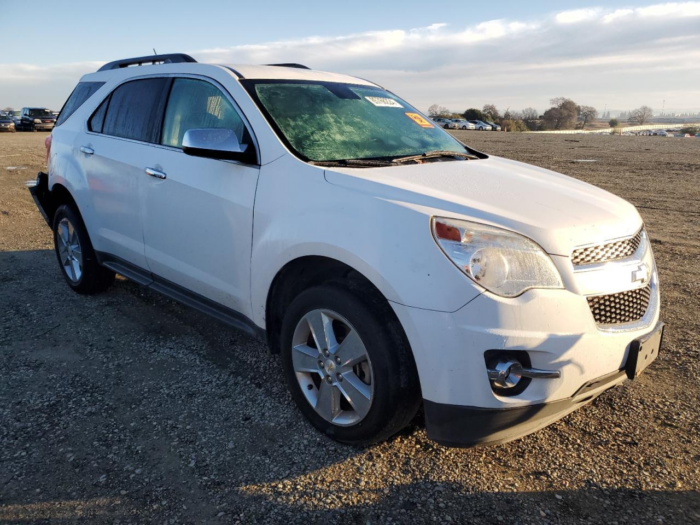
606	252
620	308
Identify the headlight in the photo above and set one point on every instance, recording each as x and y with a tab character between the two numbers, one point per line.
37	121
501	261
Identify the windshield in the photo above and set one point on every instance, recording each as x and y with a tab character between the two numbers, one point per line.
326	121
40	113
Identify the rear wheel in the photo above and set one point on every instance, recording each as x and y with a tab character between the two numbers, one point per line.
75	254
347	365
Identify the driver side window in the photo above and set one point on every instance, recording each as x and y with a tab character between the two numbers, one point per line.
196	104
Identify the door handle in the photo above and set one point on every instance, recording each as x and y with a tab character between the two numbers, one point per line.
155	173
87	150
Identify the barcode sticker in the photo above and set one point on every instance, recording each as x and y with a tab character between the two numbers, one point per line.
382	102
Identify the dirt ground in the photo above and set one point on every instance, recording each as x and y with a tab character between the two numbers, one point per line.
128	408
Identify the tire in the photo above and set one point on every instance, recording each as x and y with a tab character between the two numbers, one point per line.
388	376
76	257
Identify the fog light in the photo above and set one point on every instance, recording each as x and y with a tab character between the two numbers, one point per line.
507	374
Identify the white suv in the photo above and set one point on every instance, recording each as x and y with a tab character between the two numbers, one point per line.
389	264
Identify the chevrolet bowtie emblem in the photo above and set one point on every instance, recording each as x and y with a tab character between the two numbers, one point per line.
641	274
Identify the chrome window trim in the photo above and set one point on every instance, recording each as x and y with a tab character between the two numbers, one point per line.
204	78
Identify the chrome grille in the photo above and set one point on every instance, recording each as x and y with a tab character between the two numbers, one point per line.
620	308
606	252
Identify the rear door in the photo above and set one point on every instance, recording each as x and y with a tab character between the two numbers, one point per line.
120	142
198	212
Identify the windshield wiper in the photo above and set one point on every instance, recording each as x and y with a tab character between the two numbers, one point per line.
367	163
433	155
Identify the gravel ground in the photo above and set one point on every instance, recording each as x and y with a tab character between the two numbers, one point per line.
128	408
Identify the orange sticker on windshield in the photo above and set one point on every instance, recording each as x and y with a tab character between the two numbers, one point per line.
415	117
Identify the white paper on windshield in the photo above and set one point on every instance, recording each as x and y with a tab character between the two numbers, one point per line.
382	102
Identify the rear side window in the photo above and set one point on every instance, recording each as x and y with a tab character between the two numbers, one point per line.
196	104
98	117
82	92
134	110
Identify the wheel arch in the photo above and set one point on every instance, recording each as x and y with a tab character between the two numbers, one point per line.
307	271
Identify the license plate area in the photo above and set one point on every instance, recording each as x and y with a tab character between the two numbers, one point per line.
644	351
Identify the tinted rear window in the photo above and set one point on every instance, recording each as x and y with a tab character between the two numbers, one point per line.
82	92
135	110
98	117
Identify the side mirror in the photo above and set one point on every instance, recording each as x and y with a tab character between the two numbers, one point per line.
216	143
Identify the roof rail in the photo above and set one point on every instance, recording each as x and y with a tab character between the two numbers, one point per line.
297	66
174	58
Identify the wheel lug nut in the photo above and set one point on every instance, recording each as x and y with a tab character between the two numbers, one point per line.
329	379
326	353
320	364
337	360
340	377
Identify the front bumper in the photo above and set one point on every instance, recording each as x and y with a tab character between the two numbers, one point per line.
557	330
465	426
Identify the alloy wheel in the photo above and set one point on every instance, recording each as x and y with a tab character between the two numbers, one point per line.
69	250
332	367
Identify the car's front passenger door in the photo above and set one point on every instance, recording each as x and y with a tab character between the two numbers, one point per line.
198	212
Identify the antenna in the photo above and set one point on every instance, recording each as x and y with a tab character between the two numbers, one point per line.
154	51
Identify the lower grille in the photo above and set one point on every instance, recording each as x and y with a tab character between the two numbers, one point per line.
620	308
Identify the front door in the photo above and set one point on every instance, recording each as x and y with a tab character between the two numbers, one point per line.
198	212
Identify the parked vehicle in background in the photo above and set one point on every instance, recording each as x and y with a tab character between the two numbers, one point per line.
446	123
494	126
480	125
7	123
463	124
388	264
36	119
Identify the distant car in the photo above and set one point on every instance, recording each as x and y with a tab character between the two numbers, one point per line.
662	133
35	119
480	125
463	124
445	123
7	123
494	127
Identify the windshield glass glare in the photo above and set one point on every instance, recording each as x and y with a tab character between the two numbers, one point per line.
325	121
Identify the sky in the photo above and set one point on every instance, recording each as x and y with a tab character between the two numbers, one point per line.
610	54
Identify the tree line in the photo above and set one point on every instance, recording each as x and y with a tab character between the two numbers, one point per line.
563	114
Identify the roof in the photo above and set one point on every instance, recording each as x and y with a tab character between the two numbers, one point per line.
140	66
292	73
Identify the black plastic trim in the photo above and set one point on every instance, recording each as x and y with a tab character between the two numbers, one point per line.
181	295
467	426
173	58
42	197
290	64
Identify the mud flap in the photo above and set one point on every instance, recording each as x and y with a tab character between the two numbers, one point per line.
42	197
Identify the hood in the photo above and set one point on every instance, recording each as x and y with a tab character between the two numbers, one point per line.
556	211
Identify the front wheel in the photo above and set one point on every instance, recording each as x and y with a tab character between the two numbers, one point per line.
347	365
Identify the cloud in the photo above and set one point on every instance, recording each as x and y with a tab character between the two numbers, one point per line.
621	58
577	15
619	13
